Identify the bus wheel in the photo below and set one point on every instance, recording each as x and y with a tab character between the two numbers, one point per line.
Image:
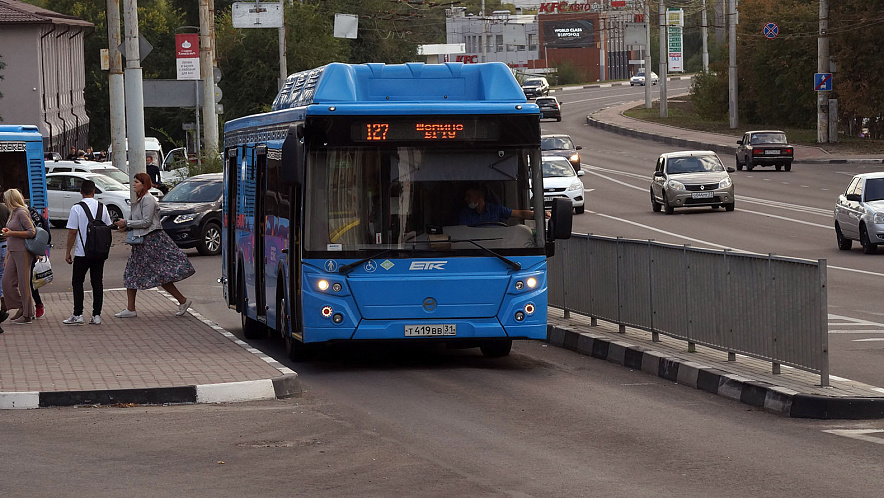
496	349
294	349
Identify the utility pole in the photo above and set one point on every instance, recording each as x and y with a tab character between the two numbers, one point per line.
207	73
134	92
484	36
283	68
732	64
647	53
704	29
116	87
822	66
664	60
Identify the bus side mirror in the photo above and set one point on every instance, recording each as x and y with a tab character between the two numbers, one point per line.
560	219
292	169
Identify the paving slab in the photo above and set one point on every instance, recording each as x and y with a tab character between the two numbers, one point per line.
156	357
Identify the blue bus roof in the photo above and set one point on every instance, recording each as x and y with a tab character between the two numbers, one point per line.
23	133
340	84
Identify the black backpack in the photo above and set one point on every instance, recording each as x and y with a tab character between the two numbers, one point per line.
98	235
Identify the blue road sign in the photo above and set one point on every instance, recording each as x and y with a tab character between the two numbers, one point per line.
822	82
771	30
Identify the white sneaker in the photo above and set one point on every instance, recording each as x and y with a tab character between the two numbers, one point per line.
182	308
126	314
95	320
73	320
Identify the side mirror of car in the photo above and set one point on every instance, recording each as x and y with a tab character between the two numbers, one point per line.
731	170
658	174
579	147
854	197
740	142
580	173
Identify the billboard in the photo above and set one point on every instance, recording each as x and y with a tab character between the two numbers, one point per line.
577	33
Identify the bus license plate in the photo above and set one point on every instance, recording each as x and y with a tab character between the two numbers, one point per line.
436	330
701	195
772	152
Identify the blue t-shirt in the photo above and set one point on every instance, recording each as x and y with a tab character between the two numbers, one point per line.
493	213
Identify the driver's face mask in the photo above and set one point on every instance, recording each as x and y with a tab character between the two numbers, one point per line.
473	205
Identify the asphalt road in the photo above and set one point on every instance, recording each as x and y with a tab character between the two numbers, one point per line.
387	421
788	214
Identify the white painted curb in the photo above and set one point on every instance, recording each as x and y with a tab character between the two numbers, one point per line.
229	392
19	400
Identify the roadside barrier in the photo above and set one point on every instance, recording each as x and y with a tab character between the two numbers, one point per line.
767	307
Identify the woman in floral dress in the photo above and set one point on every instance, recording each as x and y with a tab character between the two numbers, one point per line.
157	261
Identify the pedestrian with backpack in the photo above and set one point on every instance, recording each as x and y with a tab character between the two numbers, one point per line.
89	237
155	259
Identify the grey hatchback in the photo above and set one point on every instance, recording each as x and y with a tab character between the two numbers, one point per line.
691	178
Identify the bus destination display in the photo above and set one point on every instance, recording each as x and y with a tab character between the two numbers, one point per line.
424	130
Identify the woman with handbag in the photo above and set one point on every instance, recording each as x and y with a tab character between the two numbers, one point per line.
17	272
39	222
155	259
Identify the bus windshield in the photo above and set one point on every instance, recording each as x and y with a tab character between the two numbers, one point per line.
415	198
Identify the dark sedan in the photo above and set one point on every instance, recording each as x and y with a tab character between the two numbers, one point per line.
191	213
764	148
561	145
550	108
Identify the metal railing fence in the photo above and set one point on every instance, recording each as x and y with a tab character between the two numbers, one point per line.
767	307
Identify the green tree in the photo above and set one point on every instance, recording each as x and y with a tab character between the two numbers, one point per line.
854	25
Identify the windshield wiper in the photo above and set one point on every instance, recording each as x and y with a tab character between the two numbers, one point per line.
349	267
514	264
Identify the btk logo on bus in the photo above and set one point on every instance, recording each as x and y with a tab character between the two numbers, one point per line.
427	265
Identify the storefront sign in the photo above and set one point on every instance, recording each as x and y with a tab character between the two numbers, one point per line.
566	7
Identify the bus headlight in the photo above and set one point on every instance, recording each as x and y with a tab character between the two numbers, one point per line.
520	315
336	287
322	285
532	282
520	285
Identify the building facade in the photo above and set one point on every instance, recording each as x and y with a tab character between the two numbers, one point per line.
44	79
589	37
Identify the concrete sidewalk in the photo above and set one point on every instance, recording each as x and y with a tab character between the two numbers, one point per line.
155	358
612	119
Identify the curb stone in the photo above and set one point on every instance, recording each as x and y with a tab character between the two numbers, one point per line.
771	398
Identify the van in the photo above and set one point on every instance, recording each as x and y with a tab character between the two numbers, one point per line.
152	147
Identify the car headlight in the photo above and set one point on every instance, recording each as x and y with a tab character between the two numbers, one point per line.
575	158
879	218
184	218
675	185
576	186
725	183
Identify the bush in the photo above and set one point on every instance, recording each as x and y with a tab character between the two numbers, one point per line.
709	94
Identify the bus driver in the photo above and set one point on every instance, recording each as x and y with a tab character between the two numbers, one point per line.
478	210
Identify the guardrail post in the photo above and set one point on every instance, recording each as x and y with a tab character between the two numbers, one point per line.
775	369
731	356
654	336
824	321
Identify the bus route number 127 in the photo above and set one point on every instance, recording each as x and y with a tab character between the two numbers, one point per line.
376	131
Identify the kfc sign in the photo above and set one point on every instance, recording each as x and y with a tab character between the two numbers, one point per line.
467	59
565	7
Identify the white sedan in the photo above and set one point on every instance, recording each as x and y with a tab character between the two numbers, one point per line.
63	191
560	180
639	79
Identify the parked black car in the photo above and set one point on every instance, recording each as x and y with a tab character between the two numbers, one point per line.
191	213
764	148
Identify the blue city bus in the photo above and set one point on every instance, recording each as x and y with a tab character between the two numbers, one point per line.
21	164
345	217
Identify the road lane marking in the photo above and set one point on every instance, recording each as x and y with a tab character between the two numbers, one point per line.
860	434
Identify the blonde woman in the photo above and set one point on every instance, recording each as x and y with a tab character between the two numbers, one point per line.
17	273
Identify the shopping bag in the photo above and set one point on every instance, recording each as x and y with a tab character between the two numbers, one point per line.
134	240
42	272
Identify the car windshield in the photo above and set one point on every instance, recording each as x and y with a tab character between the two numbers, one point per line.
107	184
556	143
113	173
557	167
641	75
195	191
533	82
874	189
695	164
768	138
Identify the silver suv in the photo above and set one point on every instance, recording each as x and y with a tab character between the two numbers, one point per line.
859	213
535	86
691	178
